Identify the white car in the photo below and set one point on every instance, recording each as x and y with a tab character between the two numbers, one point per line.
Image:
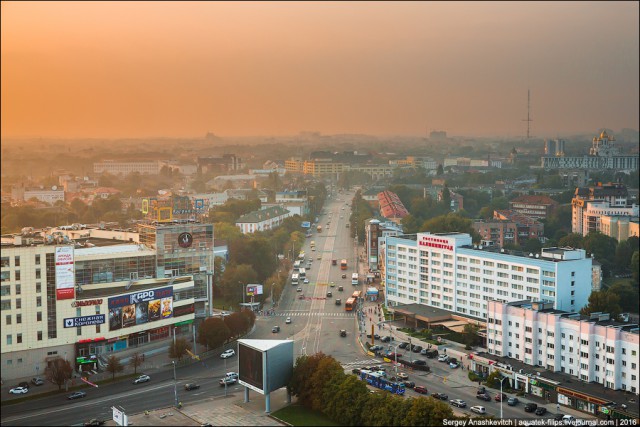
19	390
232	375
306	281
227	353
443	358
142	379
299	290
403	376
478	409
288	320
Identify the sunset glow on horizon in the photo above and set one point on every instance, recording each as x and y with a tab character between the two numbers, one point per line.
181	69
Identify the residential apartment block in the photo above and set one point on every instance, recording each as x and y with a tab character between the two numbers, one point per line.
264	219
447	271
534	206
592	348
591	204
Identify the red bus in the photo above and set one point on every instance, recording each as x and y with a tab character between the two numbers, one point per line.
343	264
350	304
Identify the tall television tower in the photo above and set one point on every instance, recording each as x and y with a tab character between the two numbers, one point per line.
528	119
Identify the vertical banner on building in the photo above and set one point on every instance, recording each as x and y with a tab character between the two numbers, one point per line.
145	206
65	273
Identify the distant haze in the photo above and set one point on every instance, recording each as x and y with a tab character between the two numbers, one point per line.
144	69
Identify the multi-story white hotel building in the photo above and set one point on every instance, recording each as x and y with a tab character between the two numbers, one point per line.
592	348
447	271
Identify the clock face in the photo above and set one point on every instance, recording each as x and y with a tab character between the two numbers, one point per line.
185	240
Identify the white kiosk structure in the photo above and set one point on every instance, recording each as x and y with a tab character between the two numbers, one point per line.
265	366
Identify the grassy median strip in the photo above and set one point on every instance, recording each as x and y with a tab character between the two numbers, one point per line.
298	415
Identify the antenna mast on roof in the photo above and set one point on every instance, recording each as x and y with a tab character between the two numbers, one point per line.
528	119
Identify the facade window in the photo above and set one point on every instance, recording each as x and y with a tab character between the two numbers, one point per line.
38	288
18	318
39	335
37	259
38	301
4	261
18	289
17	261
39	316
19	339
9	339
38	274
8	319
17	273
18	302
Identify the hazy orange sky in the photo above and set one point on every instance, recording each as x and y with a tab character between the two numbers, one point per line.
180	69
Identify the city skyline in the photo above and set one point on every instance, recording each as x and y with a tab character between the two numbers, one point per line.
119	70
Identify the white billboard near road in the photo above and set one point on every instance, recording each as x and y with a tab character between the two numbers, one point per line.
65	272
254	290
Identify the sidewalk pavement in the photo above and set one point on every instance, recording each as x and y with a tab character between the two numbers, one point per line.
220	411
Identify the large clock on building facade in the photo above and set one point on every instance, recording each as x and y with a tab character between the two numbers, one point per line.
185	240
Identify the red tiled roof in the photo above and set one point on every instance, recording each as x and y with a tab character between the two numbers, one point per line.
391	206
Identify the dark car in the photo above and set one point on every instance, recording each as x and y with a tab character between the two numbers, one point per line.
355	371
191	386
76	395
530	407
385	339
419	362
403	345
23	384
368	335
329	294
37	381
344	276
440	396
481	390
393	355
541	410
376	336
343	333
417	349
409	384
484	397
338	301
420	389
94	422
558	417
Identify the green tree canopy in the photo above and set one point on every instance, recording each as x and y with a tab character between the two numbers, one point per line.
213	332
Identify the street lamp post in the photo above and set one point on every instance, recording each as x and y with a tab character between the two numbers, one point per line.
501	399
410	351
395	353
175	385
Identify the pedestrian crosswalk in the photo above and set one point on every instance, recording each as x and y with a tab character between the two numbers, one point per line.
297	313
361	362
